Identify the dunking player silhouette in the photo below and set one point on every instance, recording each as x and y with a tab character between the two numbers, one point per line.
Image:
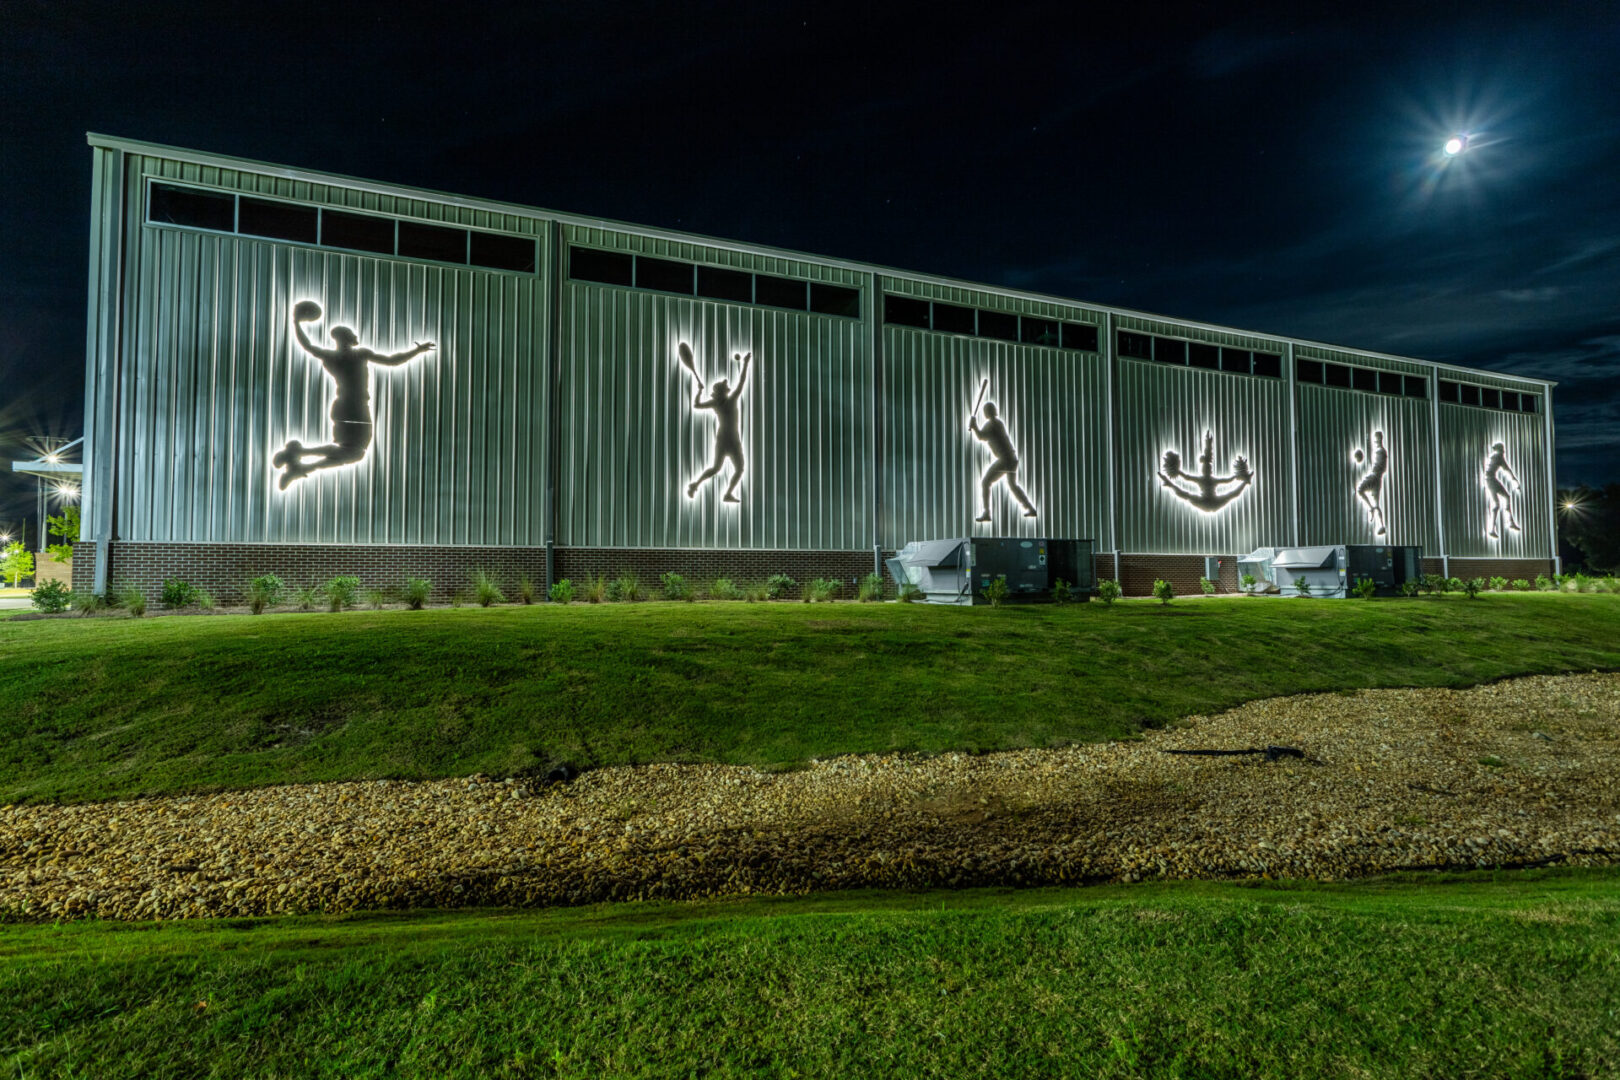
1371	489
1499	499
728	430
994	435
350	367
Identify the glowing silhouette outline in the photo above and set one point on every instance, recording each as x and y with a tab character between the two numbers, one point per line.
1206	495
1005	464
724	403
1370	490
1498	499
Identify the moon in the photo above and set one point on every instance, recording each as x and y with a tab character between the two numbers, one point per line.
1456	145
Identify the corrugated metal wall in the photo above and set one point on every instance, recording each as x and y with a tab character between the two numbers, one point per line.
1466	435
214	384
1161	408
631	440
1055	407
1333	423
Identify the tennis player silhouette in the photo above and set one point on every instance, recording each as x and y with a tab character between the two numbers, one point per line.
350	367
723	401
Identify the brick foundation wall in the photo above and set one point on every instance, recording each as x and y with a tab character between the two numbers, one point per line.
1512	569
1138	572
700	567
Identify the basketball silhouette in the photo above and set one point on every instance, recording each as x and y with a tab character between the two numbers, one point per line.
1358	456
306	311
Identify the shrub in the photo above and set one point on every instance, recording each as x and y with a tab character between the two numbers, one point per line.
375	598
526	589
1207	585
486	590
1543	582
1302	585
51	597
132	599
756	594
675	587
264	591
66	526
1452	585
1108	590
910	593
1248	581
996	591
822	590
1410	588
562	592
1366	588
88	603
871	588
306	596
340	592
626	587
1521	584
1498	584
1163	591
1433	583
205	600
780	586
16	563
724	589
596	589
1062	592
1473	586
416	592
177	593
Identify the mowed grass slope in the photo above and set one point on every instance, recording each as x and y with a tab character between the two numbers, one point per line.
98	708
1480	975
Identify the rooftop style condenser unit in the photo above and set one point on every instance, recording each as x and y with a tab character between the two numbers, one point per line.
1330	570
958	570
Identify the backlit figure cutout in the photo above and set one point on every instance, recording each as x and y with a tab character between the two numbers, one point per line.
1206	493
994	435
1499	498
350	367
724	402
1371	489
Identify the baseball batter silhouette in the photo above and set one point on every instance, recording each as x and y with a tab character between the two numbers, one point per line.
723	400
1371	489
350	367
1498	497
994	435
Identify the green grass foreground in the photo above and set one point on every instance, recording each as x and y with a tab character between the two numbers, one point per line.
1506	975
97	708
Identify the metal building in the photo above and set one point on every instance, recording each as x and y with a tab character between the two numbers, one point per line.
307	374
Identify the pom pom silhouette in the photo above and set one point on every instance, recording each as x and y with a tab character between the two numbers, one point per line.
306	311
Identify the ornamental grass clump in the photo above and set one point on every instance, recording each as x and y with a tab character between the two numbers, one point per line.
724	589
674	586
374	598
596	589
526	589
415	592
871	589
264	591
341	591
626	588
486	590
132	600
1108	590
1207	585
910	593
822	591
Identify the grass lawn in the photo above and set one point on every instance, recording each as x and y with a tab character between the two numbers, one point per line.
97	708
1504	975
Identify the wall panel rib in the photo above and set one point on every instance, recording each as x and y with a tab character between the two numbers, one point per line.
1333	423
1466	435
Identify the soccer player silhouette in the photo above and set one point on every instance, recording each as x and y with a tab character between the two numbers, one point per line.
994	435
1371	489
728	431
1499	500
350	367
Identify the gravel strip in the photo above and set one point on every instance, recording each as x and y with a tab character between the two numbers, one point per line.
1522	772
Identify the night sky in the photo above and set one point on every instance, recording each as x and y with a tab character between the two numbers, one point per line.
1271	170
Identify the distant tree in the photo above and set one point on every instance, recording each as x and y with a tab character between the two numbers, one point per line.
65	525
1589	523
16	563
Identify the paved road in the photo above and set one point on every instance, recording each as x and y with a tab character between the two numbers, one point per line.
14	602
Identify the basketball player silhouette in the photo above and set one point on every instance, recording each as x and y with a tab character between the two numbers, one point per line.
1371	489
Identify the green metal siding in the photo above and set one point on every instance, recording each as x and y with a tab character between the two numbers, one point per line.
1333	423
1170	408
1466	435
631	441
665	248
1055	406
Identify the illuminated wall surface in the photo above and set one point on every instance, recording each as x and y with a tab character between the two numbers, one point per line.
524	425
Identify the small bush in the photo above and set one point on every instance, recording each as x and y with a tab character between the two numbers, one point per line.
562	592
306	597
871	588
1302	585
1473	586
374	598
822	591
486	590
675	587
1498	584
416	592
1108	590
1543	582
205	600
51	597
264	591
1452	585
1163	591
1248	581
910	593
177	593
724	589
526	589
596	589
1410	588
133	600
757	594
626	588
1207	585
1366	588
1521	584
1433	583
1062	591
780	586
340	592
996	591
